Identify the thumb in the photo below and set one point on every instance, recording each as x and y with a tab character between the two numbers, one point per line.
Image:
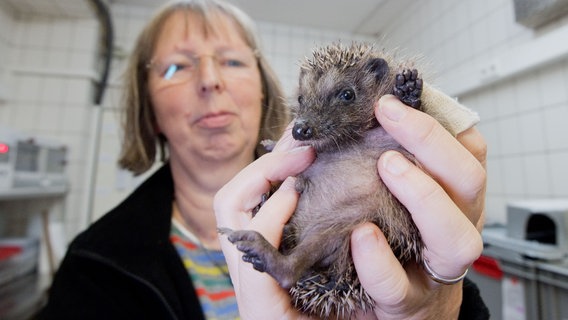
377	268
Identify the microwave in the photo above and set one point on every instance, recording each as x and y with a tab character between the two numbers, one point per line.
30	162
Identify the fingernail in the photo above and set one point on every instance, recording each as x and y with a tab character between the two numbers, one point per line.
365	238
395	163
393	110
288	184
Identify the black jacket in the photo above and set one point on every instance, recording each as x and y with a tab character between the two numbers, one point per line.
124	265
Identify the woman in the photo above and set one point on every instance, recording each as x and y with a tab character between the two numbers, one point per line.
200	93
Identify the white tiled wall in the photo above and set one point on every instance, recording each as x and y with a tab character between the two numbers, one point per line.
523	118
6	44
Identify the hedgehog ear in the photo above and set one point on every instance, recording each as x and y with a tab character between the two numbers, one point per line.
379	67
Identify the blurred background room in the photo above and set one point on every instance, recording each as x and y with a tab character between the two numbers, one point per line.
61	64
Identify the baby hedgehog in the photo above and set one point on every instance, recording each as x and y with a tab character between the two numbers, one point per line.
338	88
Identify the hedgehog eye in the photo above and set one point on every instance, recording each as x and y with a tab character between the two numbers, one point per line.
300	99
347	95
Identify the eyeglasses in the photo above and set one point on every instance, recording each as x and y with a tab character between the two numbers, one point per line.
180	68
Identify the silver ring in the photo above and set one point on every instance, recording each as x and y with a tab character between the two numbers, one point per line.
438	278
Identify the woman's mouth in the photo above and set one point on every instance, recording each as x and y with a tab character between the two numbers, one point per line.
215	120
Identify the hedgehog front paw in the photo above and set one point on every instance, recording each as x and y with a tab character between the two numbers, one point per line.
408	88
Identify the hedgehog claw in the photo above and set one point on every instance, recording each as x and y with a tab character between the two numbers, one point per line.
257	263
408	88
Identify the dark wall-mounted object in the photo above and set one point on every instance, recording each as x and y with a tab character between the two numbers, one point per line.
536	13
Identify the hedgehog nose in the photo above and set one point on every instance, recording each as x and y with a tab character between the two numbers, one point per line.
302	131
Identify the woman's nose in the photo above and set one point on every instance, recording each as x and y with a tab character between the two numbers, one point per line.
209	75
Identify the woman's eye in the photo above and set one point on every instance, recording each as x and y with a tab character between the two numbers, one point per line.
347	95
171	70
233	63
174	68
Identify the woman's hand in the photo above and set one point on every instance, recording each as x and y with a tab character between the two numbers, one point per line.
447	206
258	295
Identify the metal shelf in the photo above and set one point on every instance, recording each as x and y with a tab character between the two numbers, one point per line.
33	192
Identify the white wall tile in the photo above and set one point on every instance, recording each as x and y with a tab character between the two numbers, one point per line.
496	209
61	35
556	127
479	35
514	179
5	115
528	92
77	155
27	88
74	119
477	9
85	35
495	24
36	33
77	92
464	47
51	90
81	60
495	181
30	58
553	83
25	118
509	141
532	132
459	16
6	27
49	118
537	174
506	99
57	59
490	132
487	103
559	173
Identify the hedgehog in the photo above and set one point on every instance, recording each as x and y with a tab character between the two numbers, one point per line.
334	113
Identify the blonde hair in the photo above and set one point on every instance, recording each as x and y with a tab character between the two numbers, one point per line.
141	140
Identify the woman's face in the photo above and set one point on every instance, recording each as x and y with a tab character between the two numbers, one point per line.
205	88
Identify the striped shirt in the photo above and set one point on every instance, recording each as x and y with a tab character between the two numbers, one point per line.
209	274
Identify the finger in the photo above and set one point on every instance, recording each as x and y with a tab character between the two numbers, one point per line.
420	134
452	241
276	212
261	288
245	190
474	142
371	252
287	142
260	297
